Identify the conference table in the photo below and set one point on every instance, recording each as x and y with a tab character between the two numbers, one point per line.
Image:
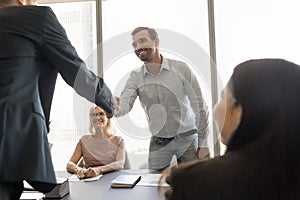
101	189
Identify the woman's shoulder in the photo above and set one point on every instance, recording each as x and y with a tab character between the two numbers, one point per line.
85	137
116	137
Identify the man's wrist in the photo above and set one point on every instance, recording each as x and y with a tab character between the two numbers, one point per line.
203	153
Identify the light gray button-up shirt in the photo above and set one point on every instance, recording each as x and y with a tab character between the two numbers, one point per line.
172	100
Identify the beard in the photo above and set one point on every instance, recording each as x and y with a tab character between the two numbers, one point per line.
144	54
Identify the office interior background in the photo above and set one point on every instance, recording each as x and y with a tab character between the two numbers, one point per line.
211	36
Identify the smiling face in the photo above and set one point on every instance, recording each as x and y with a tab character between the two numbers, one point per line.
227	114
144	47
98	118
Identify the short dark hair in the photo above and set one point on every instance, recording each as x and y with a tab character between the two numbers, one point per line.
152	32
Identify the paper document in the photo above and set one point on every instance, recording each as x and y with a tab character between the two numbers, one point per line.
152	180
32	195
75	178
27	186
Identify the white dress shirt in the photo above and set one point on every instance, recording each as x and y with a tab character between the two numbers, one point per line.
172	100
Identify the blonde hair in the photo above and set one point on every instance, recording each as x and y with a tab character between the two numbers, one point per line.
108	129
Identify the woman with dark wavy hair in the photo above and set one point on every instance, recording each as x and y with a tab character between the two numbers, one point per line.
258	117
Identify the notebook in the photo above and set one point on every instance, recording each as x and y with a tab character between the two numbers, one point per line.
31	195
125	181
75	178
60	190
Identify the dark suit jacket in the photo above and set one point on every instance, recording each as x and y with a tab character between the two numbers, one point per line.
33	49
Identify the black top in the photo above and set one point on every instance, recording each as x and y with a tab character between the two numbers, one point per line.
262	158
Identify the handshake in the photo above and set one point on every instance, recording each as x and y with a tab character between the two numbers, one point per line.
117	105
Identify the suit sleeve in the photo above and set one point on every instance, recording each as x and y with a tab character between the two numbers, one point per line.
63	56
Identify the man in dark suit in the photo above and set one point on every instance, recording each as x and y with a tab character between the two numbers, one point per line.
34	48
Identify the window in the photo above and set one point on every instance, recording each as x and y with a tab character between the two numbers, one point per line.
253	29
69	114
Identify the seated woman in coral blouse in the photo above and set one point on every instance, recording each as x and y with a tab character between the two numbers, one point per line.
102	151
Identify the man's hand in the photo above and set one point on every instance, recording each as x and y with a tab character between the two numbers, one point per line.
117	105
109	115
203	153
165	173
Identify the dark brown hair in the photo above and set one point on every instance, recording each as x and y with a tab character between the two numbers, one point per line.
152	32
269	93
267	90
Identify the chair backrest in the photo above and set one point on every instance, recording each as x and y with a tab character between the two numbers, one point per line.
127	163
80	162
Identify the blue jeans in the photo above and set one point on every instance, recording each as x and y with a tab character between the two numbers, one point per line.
161	150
